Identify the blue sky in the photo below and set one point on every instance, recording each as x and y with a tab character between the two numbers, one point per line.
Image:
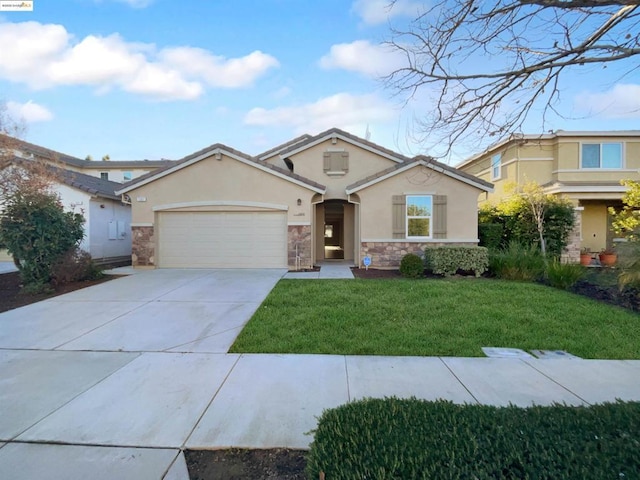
156	79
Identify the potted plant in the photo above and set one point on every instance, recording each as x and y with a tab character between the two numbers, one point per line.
585	256
608	257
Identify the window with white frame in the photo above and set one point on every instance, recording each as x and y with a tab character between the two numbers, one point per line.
602	155
126	176
419	215
104	175
496	166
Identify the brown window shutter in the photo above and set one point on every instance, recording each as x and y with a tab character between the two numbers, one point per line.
327	161
439	216
398	215
345	162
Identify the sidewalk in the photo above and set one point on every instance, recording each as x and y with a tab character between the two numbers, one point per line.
133	417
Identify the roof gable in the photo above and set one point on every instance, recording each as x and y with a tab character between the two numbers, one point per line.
216	150
420	160
346	137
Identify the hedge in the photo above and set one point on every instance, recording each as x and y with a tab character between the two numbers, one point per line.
381	439
447	260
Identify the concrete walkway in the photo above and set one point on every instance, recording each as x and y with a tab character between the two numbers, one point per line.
7	267
114	381
327	271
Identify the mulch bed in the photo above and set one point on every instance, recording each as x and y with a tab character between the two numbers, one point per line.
237	464
11	297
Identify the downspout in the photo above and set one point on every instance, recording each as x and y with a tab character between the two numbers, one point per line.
357	235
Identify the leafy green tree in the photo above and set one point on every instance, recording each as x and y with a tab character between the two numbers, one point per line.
37	231
627	221
531	217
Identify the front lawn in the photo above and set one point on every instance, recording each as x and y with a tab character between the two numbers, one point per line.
448	317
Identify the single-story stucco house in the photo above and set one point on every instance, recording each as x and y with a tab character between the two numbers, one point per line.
315	198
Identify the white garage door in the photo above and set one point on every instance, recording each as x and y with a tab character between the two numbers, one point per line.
222	240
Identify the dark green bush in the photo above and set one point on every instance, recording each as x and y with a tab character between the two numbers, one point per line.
564	275
447	260
490	235
381	439
518	225
75	266
412	266
517	262
37	232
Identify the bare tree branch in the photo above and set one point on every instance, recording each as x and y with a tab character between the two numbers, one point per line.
490	64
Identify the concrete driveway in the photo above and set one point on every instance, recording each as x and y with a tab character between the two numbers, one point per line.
90	380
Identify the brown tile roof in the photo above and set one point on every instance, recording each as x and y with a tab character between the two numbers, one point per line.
271	152
348	136
210	150
427	161
48	154
81	181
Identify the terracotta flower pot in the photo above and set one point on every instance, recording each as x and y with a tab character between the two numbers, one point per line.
585	259
608	259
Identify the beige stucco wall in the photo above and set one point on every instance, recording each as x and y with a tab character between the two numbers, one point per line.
220	180
569	170
362	163
462	200
521	163
554	160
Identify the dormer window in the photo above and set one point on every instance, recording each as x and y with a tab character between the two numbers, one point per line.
336	162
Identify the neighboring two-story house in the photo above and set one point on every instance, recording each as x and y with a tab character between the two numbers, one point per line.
585	167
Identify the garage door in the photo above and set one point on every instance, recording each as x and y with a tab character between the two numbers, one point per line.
222	240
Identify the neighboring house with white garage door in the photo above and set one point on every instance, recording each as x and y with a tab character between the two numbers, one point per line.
330	196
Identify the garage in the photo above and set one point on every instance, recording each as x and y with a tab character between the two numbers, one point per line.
235	239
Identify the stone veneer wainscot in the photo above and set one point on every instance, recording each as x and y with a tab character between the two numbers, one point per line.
143	246
389	254
299	236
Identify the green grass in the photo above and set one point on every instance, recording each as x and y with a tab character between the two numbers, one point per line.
450	317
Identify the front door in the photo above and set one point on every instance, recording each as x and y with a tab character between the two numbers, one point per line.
335	221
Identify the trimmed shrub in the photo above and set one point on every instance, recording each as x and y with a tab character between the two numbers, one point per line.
412	266
447	260
74	266
37	232
490	235
564	275
517	262
381	439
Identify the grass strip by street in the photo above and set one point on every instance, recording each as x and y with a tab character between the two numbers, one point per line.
387	438
448	317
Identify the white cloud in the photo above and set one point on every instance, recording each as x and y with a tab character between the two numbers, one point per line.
29	112
45	56
622	101
343	110
219	71
374	12
363	57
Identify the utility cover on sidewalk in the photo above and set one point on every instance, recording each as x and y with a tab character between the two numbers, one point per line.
500	352
553	354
